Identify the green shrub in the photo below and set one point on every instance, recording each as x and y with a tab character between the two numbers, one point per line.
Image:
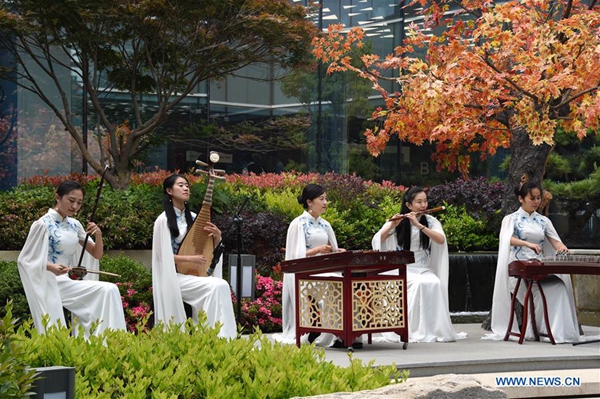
11	290
195	363
464	233
16	379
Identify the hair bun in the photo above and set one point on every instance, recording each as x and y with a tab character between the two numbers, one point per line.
300	200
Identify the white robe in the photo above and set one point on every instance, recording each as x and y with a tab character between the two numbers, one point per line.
427	286
56	240
212	295
304	233
558	290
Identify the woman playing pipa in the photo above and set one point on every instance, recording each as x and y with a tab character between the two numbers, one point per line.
171	286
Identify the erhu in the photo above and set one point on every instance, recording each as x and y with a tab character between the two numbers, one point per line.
79	272
432	210
198	241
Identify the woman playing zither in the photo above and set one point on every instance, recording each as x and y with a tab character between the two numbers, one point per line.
524	235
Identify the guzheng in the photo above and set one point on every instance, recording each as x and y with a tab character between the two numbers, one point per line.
198	241
354	259
564	264
533	271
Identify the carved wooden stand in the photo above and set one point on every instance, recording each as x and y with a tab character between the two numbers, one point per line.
346	295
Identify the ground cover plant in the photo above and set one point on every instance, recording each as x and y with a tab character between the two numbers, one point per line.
192	362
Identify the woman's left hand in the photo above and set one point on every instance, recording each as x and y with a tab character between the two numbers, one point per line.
562	249
214	231
93	229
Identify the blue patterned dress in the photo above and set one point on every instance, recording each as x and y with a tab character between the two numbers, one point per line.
54	239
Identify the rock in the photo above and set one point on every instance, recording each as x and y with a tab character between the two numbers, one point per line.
447	386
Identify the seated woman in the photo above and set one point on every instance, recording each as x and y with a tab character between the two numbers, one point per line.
53	246
307	235
427	278
171	289
525	235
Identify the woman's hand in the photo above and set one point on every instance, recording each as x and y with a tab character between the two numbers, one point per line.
396	219
200	259
93	229
214	232
57	270
325	249
561	248
534	247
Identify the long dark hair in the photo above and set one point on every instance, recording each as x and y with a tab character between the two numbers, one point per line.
168	206
310	192
403	228
66	187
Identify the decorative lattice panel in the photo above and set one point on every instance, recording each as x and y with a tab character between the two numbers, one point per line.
378	304
321	304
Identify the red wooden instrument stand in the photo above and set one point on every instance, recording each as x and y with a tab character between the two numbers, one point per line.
533	271
346	295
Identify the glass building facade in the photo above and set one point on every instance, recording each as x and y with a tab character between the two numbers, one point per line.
33	142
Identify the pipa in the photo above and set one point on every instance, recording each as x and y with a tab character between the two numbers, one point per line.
198	241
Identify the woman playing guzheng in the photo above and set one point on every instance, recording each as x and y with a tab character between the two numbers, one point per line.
308	235
171	289
53	246
427	278
524	235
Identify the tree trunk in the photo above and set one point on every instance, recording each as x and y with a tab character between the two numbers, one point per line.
525	158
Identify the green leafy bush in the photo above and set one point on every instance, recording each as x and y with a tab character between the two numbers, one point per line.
11	290
465	233
16	378
195	363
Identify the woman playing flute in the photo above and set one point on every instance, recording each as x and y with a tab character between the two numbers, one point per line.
427	279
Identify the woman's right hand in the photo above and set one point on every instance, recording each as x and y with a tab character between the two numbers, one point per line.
200	259
535	248
57	270
325	249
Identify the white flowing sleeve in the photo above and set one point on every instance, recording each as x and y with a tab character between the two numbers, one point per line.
547	248
88	261
168	304
39	284
332	239
389	244
440	264
295	243
502	291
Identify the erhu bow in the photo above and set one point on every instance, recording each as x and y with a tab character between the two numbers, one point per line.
79	272
198	241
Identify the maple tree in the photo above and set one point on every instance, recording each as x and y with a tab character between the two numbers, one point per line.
150	52
500	75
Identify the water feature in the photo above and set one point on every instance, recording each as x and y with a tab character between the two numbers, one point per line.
471	285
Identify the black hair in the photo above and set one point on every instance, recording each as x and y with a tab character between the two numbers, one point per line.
168	206
67	186
526	188
403	228
310	192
